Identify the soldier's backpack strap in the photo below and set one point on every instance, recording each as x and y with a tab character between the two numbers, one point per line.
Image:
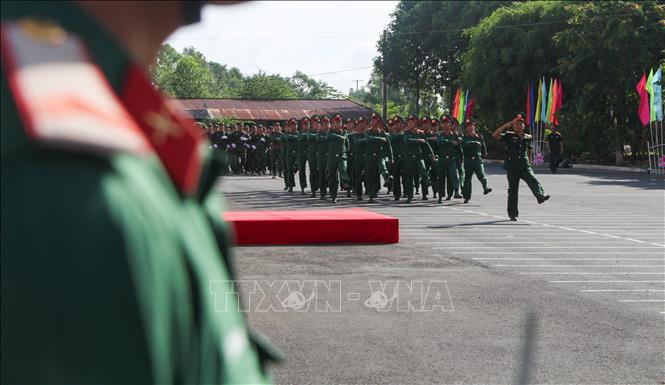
63	99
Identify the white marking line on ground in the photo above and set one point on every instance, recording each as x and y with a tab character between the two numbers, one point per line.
579	265
572	229
628	245
544	252
642	300
580	273
558	247
603	290
573	259
625	281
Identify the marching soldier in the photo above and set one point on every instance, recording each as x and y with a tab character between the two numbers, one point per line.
336	167
397	144
261	149
133	254
275	150
555	147
517	163
426	128
459	166
473	146
358	149
290	151
448	144
322	140
349	130
303	146
415	149
378	148
313	153
436	128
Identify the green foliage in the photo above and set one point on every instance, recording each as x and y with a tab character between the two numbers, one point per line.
263	86
310	88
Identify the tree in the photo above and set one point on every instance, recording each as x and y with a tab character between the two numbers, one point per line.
191	79
310	88
263	86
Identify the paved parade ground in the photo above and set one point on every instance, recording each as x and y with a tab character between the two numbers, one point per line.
449	302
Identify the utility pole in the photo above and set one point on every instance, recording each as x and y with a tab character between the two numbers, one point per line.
384	86
356	80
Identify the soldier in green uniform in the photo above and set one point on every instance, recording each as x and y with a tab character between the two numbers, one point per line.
290	150
336	167
275	150
313	153
426	128
378	146
448	144
415	149
436	128
461	177
517	163
397	144
555	146
473	146
122	273
322	141
349	129
261	143
357	150
303	146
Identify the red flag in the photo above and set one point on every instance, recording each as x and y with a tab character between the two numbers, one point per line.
643	109
528	104
456	105
555	99
472	103
559	102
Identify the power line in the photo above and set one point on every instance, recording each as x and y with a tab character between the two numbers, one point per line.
340	71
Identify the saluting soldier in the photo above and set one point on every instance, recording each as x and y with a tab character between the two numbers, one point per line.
358	149
415	149
555	146
336	167
397	144
473	146
290	150
120	273
303	146
322	140
448	145
378	147
313	153
518	163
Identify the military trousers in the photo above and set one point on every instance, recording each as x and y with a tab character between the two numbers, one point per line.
375	166
555	159
514	177
414	168
446	172
323	174
473	166
290	160
313	163
358	174
336	169
397	172
302	174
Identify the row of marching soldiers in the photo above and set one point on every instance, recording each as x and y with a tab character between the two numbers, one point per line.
410	156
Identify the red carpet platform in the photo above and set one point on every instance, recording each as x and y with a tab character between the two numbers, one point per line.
312	227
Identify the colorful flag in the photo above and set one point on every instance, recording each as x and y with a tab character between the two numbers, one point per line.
528	104
555	99
643	109
466	107
470	105
455	105
548	113
559	95
462	105
649	88
657	94
540	100
543	107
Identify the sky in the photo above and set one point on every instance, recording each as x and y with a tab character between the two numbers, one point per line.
280	37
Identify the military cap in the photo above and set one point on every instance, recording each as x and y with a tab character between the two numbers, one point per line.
325	118
349	120
316	118
519	115
412	117
398	118
304	120
337	117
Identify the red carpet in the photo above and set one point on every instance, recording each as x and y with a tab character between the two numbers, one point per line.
312	227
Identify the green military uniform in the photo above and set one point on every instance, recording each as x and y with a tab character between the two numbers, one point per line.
358	149
473	147
302	146
290	151
322	161
119	273
313	158
275	154
378	145
518	166
261	151
414	152
446	165
397	145
554	141
336	167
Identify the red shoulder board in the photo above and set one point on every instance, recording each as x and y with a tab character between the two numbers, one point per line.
63	99
173	135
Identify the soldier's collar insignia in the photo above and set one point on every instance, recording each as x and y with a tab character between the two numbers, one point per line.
43	31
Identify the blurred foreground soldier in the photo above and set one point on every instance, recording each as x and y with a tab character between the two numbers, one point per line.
517	163
555	145
473	146
415	149
121	273
336	168
303	146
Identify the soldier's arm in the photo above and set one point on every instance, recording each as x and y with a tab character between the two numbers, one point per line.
497	133
390	150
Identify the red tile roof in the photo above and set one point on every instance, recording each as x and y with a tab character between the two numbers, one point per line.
247	109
